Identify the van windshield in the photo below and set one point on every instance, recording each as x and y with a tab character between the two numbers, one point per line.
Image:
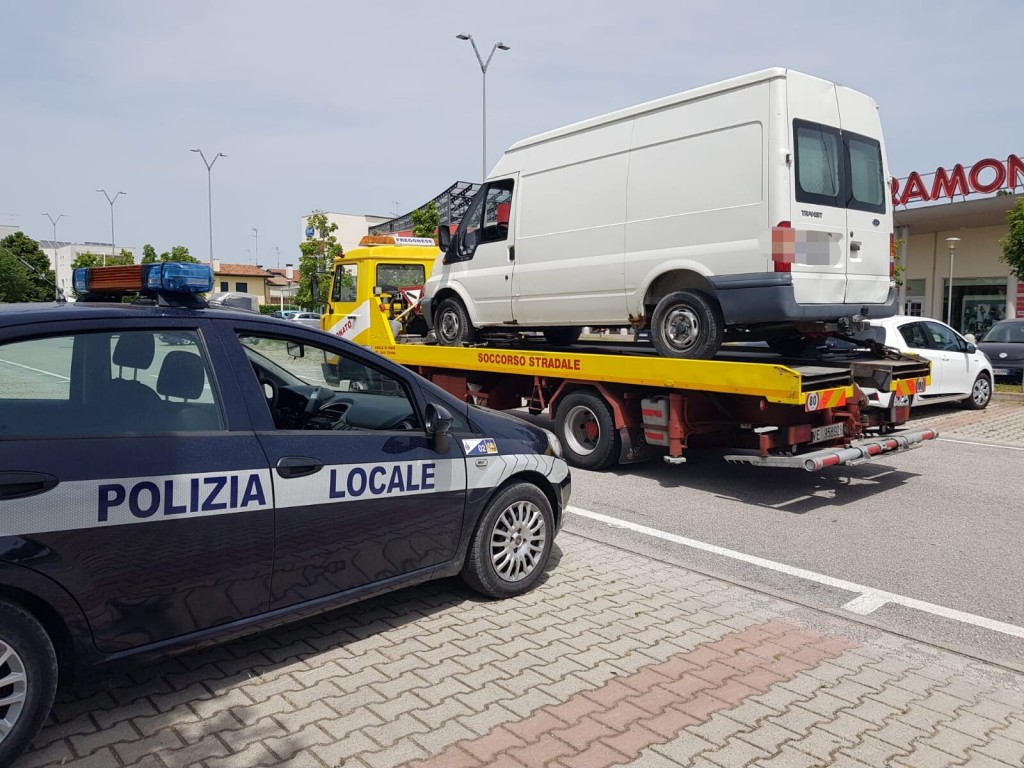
838	168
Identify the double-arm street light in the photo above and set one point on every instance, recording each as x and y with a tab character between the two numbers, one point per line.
56	276
499	46
209	192
111	200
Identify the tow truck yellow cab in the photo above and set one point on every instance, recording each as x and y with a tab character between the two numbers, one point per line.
385	273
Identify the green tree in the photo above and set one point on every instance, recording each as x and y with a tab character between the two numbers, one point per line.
15	284
88	259
426	220
317	259
1013	243
177	253
21	252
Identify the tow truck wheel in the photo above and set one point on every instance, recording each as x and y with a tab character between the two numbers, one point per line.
687	324
28	679
586	429
981	394
562	336
452	324
512	542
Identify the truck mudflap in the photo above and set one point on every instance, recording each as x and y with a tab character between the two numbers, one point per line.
862	450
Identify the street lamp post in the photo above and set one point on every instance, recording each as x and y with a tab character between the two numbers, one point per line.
952	241
209	192
256	247
56	276
499	46
111	200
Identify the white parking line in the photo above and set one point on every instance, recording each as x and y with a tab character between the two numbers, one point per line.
983	445
36	370
869	599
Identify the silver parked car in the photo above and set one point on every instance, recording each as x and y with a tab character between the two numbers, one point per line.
311	319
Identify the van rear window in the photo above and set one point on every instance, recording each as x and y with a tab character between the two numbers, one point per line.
867	185
838	169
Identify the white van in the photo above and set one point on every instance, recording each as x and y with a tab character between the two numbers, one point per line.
755	208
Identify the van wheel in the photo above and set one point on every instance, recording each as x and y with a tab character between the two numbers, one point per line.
452	324
512	542
562	337
28	679
981	394
587	431
687	324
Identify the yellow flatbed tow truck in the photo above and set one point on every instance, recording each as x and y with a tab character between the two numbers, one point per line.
612	403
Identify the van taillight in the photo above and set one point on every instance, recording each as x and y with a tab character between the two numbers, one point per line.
892	256
783	246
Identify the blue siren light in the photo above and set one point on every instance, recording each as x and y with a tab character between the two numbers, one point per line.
176	277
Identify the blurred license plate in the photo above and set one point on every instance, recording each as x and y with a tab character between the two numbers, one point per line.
1001	371
830	432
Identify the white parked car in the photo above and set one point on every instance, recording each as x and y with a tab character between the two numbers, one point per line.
311	319
960	371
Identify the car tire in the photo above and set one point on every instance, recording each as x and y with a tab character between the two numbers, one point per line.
563	336
586	429
981	394
512	543
452	325
28	674
687	324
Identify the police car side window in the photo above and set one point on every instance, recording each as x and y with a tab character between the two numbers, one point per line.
106	383
310	387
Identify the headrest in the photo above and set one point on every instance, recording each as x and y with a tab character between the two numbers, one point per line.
181	375
134	350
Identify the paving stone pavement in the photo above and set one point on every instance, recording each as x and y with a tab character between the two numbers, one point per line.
615	659
1002	422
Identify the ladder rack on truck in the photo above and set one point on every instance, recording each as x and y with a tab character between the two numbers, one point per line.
612	404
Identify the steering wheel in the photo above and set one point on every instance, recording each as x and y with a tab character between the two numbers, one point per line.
270	392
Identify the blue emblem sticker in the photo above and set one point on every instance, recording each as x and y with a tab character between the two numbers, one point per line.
481	447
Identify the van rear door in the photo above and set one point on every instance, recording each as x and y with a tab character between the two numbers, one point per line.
868	215
819	213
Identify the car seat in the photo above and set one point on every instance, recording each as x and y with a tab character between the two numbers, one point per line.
134	351
182	376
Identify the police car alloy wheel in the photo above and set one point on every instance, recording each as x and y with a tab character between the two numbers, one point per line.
28	679
512	542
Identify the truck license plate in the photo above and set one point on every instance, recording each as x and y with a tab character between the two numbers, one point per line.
829	432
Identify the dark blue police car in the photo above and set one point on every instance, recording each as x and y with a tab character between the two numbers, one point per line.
173	474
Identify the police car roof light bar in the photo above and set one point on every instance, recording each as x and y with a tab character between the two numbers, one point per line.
168	280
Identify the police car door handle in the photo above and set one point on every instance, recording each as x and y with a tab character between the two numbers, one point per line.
18	485
298	466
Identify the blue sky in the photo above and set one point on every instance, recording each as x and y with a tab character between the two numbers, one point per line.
354	106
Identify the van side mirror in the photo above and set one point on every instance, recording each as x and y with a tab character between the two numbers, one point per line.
444	236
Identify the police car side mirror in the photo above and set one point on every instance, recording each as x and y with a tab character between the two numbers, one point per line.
314	288
295	349
439	424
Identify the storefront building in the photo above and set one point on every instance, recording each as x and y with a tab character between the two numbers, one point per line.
948	225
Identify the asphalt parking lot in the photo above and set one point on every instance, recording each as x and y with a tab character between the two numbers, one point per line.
616	659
